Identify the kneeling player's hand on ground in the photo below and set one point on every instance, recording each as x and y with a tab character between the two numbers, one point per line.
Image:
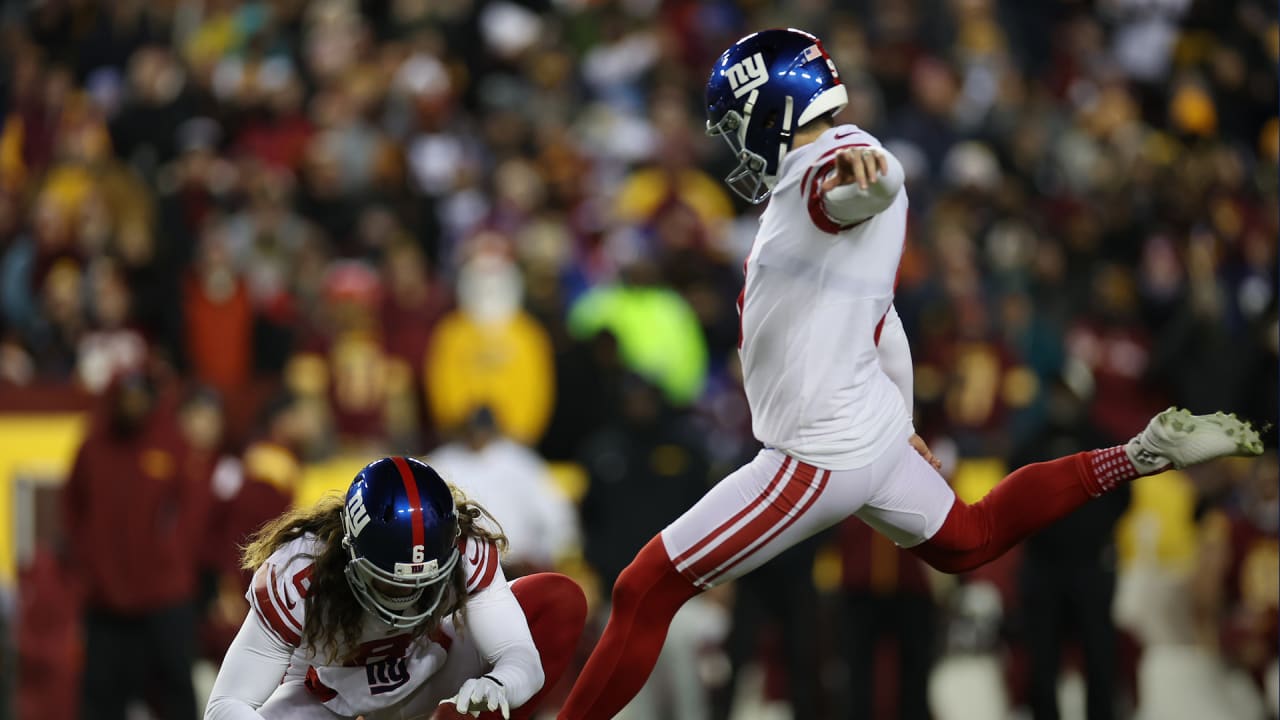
480	695
918	443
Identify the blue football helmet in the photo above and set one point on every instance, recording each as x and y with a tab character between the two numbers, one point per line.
401	537
761	90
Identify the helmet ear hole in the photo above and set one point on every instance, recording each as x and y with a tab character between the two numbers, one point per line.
388	513
771	121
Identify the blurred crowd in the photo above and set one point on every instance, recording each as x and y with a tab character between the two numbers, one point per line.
260	233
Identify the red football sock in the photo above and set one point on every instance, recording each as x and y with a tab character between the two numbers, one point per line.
1026	501
556	611
645	599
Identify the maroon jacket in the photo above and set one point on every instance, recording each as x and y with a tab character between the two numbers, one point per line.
271	474
134	516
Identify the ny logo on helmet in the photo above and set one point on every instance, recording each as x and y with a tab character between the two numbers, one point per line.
747	75
357	516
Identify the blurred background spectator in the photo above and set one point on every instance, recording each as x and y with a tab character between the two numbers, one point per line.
134	512
889	614
515	485
1068	573
643	469
331	229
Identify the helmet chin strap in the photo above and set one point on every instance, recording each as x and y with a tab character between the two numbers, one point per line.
785	135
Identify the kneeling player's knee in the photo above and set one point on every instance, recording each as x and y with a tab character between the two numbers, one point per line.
558	621
568	601
552	596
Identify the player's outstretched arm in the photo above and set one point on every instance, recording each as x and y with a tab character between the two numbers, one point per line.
501	633
863	182
251	671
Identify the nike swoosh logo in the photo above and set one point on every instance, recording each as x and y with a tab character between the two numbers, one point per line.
845	134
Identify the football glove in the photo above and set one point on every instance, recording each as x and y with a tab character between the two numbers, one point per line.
479	695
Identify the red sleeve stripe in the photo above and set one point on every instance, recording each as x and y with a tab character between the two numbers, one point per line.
824	156
818	211
484	572
481	555
278	599
415	502
269	614
490	570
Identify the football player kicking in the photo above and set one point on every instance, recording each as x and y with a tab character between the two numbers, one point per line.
828	378
390	602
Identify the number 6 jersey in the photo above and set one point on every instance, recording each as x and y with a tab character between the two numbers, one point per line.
388	664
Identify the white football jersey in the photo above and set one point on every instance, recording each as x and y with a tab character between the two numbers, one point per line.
815	295
389	664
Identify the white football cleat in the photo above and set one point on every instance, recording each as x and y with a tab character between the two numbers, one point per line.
1176	438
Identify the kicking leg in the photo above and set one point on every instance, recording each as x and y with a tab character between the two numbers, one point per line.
1034	496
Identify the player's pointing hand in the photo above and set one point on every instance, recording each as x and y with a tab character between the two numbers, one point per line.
862	166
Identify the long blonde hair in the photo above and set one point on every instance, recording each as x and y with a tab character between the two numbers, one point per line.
334	616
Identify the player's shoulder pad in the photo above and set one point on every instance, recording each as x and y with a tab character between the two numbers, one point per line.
479	562
280	587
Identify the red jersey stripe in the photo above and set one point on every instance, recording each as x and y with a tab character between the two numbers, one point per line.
897	277
415	502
